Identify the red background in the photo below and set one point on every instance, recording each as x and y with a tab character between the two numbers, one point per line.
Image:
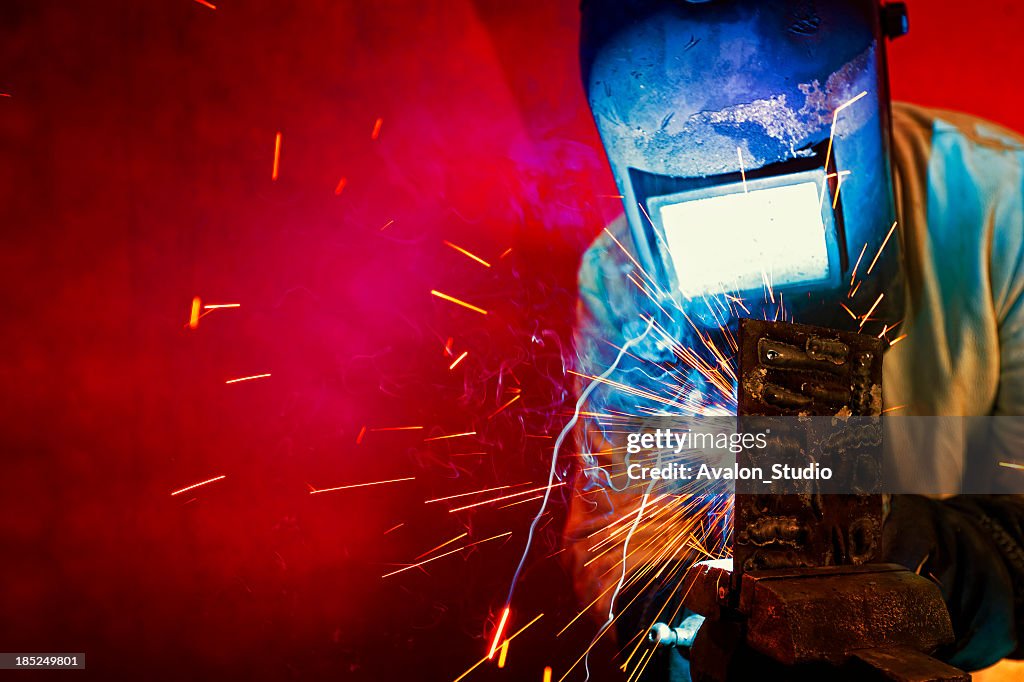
137	148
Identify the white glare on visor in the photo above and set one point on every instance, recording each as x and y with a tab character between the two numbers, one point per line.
733	242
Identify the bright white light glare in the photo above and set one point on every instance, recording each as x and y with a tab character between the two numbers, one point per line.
725	243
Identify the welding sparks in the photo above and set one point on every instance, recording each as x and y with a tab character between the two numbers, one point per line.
277	157
376	128
248	378
196	485
396	428
506	497
505	253
340	187
458	360
457	301
193	320
547	674
387	225
204	3
360	485
446	554
1012	465
497	633
467	254
219	306
897	340
882	247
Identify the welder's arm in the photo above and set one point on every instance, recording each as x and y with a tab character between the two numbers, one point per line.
974	545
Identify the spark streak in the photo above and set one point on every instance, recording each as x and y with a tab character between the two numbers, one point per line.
457	301
458	360
218	306
867	315
248	378
196	485
467	254
743	172
376	128
880	248
506	497
340	187
204	3
453	435
193	320
497	633
277	157
360	485
441	556
504	406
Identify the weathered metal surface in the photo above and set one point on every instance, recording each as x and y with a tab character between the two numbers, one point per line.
825	615
798	370
905	665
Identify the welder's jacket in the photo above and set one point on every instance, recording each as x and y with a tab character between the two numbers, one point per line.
959	184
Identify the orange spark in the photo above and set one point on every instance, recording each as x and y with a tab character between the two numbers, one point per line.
458	359
467	254
456	301
359	438
547	674
893	409
387	224
248	378
897	339
340	187
443	544
505	253
868	313
376	128
853	275
217	306
880	248
503	655
360	485
277	156
1011	465
193	320
844	307
397	428
393	528
497	633
743	172
196	485
204	3
505	405
454	435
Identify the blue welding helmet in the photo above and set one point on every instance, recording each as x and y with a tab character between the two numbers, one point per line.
718	119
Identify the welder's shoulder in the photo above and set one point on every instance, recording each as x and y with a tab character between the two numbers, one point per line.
936	138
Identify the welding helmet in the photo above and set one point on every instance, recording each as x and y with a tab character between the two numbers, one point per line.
750	143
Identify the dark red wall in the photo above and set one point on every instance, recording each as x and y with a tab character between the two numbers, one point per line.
137	146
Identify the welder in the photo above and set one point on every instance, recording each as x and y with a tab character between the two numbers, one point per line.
764	172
